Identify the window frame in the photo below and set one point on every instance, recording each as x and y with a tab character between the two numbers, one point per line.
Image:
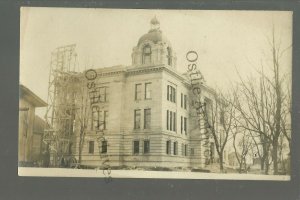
167	119
148	89
104	143
138	93
148	145
181	102
105	116
181	124
95	114
185	102
185	125
171	93
192	151
134	147
171	120
146	54
168	147
105	94
137	125
91	147
169	56
174	122
175	148
147	125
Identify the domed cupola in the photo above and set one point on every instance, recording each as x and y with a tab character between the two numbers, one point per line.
153	48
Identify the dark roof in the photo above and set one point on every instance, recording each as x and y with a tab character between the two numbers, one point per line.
39	125
155	36
28	95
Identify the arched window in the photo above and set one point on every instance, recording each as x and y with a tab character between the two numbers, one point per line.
169	56
147	54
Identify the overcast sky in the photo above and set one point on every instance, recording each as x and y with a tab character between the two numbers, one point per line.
106	37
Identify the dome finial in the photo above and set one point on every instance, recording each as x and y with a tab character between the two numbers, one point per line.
154	23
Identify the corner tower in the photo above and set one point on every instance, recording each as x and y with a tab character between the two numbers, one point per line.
154	48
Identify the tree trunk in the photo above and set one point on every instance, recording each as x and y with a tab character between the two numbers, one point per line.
266	160
221	162
80	154
267	166
262	163
241	167
275	156
81	142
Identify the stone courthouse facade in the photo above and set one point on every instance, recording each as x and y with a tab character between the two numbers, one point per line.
146	113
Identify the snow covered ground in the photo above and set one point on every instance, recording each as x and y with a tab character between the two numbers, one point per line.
66	172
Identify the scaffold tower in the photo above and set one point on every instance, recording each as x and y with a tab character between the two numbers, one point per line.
60	114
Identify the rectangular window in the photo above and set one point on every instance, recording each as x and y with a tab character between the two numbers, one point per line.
181	124
138	91
103	121
146	146
105	116
168	147
181	102
171	120
174	95
192	151
94	96
167	119
174	121
147	118
185	101
95	118
168	91
98	94
185	125
91	147
136	147
148	90
104	146
102	91
146	55
175	148
185	150
171	93
137	119
70	148
182	149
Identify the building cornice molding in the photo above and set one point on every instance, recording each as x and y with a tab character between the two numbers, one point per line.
138	70
144	70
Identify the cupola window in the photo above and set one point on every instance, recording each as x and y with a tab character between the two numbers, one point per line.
147	54
169	56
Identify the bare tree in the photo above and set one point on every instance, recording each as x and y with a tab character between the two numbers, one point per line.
82	116
261	104
219	117
242	148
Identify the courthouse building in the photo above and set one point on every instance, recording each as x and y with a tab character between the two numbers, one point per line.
146	113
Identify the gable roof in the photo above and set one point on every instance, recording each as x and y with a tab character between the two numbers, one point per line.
28	95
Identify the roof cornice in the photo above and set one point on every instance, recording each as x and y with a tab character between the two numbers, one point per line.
31	97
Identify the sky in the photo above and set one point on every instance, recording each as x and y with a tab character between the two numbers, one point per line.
225	41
